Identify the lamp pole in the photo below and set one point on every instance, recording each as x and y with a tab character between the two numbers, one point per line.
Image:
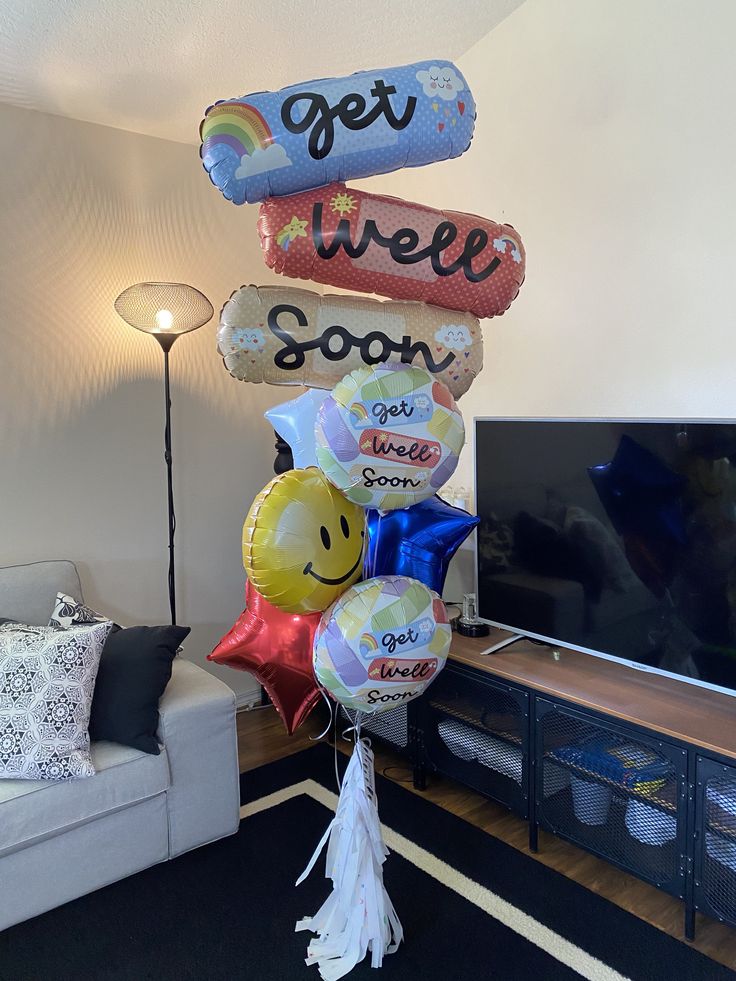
166	341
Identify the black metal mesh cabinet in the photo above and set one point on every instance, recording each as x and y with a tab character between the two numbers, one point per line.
390	727
477	731
614	791
715	840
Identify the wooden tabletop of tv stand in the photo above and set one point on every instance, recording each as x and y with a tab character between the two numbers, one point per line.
674	708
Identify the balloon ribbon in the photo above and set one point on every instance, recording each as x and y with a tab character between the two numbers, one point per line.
358	915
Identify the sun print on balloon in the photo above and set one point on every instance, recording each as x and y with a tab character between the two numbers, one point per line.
343	203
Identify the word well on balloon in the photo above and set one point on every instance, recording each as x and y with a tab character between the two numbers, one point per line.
274	143
376	244
290	336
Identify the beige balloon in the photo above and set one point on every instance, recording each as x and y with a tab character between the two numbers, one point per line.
288	336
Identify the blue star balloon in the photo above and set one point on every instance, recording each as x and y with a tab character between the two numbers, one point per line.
418	542
294	422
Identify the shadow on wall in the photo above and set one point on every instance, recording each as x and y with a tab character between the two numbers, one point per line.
90	486
89	210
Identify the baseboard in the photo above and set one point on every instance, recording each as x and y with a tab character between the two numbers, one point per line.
247	700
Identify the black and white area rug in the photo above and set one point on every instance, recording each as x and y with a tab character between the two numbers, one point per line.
471	907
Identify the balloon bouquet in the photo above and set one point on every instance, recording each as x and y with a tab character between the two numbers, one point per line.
346	555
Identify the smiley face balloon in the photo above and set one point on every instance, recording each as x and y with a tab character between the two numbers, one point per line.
303	542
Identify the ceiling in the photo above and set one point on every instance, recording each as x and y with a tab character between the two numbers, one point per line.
153	66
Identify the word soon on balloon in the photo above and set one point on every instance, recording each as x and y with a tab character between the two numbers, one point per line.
273	143
289	336
377	244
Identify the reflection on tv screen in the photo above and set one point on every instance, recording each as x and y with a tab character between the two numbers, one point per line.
618	537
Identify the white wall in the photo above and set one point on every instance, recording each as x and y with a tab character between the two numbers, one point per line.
86	211
605	135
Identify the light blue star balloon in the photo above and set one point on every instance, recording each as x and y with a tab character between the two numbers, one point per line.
294	422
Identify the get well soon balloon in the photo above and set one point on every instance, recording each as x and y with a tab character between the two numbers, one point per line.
289	336
389	436
382	643
376	244
306	135
303	542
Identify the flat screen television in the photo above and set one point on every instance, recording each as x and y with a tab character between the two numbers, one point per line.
614	537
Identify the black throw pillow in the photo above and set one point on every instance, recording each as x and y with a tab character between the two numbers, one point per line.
135	669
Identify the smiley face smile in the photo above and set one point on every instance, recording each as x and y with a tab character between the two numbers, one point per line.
309	571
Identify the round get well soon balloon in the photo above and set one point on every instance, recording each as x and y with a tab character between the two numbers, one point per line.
303	542
389	436
381	644
376	244
289	336
328	129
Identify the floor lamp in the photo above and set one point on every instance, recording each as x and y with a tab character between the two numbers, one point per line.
166	311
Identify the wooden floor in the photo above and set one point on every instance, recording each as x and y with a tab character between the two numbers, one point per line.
262	739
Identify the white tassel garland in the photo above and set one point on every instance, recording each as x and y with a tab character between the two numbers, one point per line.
357	916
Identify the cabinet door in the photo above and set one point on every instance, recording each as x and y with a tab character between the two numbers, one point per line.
477	731
613	791
715	840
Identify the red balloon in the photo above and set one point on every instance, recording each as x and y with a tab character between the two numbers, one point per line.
276	647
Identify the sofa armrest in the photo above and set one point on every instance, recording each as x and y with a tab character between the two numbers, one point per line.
197	727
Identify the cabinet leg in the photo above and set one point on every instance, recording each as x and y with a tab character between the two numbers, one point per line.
689	922
533	837
420	777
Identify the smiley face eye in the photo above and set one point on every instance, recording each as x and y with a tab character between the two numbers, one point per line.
344	526
325	536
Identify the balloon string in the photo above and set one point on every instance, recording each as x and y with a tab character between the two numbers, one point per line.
314	739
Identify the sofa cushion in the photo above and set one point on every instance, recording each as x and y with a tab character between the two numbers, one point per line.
28	592
69	612
134	671
47	678
32	812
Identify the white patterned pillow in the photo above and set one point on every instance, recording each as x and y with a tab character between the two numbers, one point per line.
69	612
47	679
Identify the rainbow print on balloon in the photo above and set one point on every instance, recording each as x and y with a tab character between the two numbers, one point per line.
499	244
359	415
239	131
237	125
368	644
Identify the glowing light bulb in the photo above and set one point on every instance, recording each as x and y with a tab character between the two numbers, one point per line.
164	319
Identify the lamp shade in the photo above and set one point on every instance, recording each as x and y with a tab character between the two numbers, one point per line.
164	309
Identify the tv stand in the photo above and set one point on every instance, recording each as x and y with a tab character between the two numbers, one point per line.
514	639
502	644
637	768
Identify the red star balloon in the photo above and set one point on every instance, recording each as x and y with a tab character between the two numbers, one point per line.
276	647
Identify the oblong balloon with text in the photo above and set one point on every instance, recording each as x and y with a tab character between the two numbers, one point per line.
289	336
377	244
273	143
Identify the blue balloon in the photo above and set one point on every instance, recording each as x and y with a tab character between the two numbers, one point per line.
336	129
418	542
294	421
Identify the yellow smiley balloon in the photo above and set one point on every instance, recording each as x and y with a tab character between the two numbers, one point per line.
303	542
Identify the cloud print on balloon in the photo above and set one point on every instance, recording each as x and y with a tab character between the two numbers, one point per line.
440	83
454	336
262	161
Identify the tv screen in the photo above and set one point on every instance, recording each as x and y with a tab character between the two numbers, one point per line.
614	537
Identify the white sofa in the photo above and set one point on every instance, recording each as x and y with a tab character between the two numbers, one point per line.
62	840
